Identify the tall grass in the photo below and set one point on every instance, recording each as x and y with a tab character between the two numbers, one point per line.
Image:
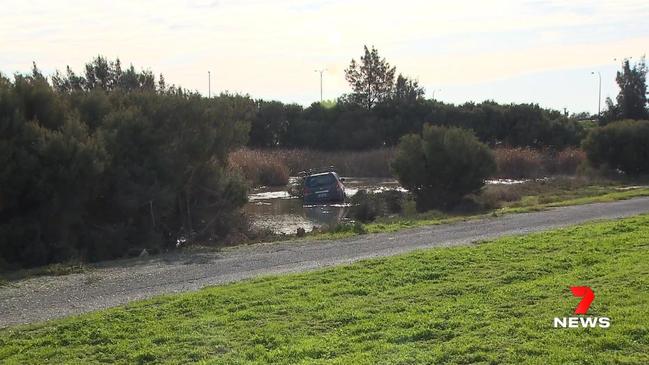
259	167
371	163
262	166
567	161
531	163
273	167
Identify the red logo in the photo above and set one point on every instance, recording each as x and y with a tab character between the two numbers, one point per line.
587	295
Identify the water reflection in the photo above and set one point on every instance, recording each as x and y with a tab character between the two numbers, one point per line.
286	215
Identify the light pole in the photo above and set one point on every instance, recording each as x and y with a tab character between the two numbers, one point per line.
599	96
209	84
321	72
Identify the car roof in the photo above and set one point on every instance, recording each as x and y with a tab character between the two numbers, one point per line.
323	173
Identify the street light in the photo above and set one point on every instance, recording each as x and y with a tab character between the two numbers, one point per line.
321	72
599	95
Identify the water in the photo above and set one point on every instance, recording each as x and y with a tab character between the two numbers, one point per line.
277	210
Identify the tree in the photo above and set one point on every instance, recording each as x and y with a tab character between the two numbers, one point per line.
442	165
68	82
101	74
371	79
622	145
98	170
407	90
632	99
50	167
271	121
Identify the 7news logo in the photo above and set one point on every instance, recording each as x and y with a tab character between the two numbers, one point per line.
587	296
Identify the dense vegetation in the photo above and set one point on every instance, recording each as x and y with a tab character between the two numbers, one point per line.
352	127
622	145
493	302
622	142
381	108
631	101
442	165
102	164
96	165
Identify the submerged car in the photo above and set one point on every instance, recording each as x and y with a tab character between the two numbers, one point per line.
324	187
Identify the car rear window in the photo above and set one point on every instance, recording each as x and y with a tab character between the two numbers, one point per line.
320	180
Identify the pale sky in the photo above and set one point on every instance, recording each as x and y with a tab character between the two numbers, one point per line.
509	51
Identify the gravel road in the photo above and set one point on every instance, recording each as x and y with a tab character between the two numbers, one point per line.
111	284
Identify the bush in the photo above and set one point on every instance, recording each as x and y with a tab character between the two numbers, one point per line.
366	206
357	228
622	145
90	172
394	200
442	165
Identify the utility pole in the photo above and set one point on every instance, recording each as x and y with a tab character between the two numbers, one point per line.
599	96
321	72
209	84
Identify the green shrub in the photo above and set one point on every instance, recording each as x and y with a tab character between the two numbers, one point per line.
394	200
442	165
367	206
357	228
622	145
91	172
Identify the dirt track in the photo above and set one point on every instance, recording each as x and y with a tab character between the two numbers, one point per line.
111	284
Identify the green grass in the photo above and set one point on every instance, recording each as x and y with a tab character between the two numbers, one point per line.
528	203
605	196
489	303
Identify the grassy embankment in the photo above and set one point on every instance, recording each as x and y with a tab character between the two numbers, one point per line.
493	302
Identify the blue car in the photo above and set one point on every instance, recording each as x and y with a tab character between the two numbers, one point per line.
325	187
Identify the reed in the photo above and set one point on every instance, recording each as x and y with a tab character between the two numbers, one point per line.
273	167
261	166
518	163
